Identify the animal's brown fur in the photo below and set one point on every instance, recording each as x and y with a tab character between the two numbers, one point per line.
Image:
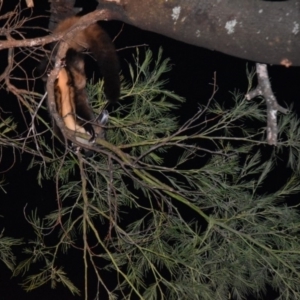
71	97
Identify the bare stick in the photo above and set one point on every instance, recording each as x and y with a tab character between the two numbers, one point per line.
264	89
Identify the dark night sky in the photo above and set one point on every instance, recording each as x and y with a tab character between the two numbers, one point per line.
190	77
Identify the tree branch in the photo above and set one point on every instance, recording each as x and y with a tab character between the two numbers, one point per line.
264	89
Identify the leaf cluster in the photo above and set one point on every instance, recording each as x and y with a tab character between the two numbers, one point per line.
203	225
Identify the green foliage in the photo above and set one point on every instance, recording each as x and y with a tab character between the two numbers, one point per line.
212	222
7	243
6	254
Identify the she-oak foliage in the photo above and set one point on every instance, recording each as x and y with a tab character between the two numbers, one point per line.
204	225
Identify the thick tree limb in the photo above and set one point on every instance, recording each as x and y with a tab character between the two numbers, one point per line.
261	31
256	30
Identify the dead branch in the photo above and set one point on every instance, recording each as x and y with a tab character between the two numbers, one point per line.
264	90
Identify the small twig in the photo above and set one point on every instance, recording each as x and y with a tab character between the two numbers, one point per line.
264	89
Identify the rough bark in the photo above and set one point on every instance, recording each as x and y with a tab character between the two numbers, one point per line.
261	31
257	30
